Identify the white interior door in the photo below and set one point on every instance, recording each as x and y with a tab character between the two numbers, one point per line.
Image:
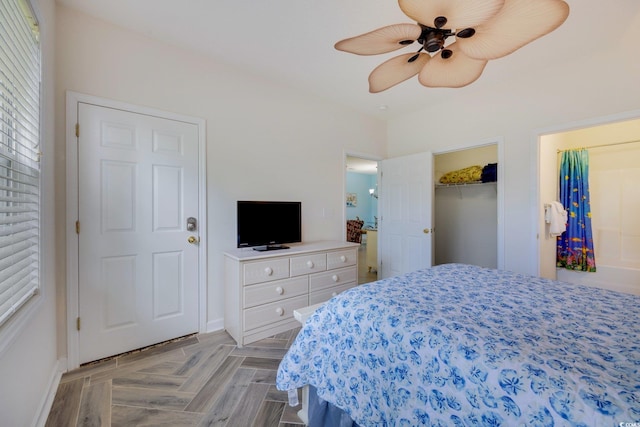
405	226
138	274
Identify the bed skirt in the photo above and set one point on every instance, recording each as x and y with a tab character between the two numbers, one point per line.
324	414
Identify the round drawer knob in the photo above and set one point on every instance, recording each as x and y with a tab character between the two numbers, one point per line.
269	271
335	278
333	294
310	264
279	290
343	258
279	311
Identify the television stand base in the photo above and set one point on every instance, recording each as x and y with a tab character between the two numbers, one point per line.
270	248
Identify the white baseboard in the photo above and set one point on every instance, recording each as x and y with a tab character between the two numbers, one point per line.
215	325
47	399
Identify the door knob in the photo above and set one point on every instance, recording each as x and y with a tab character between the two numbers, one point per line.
193	240
426	231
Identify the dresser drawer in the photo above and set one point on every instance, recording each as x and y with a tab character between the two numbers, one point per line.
327	294
340	259
331	278
306	264
264	271
274	291
263	315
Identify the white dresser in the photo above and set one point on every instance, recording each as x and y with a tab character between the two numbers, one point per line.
262	289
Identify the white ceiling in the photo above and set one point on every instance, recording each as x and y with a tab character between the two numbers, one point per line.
291	41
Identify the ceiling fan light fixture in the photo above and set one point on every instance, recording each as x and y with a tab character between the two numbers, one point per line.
434	41
466	33
489	29
440	22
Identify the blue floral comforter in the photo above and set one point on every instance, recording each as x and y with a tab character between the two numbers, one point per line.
459	345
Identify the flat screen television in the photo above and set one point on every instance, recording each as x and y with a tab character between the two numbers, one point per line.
267	225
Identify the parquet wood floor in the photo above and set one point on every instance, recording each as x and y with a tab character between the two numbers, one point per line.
201	380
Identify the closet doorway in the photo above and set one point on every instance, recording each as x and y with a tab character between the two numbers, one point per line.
361	212
466	215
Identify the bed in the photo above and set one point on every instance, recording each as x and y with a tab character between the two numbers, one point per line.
463	345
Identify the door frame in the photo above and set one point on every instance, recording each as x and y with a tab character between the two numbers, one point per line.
499	143
537	210
72	206
360	155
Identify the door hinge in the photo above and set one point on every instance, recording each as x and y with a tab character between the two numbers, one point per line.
78	323
77	130
77	227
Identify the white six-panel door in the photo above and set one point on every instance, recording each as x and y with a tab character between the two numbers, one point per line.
405	227
137	271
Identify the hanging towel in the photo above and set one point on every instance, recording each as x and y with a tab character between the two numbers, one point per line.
556	217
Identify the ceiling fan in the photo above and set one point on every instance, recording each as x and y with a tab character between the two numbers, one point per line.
457	38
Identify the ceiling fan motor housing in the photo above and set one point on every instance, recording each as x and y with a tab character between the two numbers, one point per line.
432	39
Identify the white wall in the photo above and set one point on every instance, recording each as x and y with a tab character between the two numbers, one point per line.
28	357
264	141
518	109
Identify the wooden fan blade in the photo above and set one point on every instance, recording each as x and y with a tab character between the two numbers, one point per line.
382	40
518	23
396	70
457	71
459	13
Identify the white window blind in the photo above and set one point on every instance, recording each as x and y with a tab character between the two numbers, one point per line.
19	156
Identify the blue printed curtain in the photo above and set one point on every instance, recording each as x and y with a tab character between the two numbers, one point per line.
575	245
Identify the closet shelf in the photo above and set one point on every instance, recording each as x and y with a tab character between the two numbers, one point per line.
461	185
465	184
